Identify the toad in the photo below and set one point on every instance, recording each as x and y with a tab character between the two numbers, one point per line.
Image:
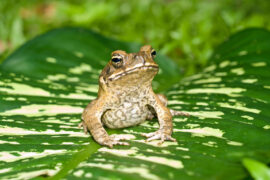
126	98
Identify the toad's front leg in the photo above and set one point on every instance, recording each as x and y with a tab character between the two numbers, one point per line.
92	120
165	121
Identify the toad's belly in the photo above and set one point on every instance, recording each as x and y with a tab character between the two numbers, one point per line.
126	115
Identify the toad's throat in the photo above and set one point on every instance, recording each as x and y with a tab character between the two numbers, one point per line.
134	69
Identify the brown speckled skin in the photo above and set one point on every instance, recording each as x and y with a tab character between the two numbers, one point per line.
126	98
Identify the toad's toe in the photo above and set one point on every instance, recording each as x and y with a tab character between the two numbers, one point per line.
148	135
82	124
114	140
158	135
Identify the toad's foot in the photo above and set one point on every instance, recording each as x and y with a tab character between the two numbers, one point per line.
109	141
158	135
114	140
178	113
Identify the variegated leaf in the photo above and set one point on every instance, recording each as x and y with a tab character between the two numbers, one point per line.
45	85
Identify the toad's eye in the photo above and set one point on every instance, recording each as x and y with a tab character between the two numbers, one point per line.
153	53
116	59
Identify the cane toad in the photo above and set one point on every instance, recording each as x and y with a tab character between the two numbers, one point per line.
126	98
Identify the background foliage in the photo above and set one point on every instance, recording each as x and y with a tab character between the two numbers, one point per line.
186	30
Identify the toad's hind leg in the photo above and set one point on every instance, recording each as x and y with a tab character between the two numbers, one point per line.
164	100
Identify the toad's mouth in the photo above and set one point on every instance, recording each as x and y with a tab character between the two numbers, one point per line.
132	70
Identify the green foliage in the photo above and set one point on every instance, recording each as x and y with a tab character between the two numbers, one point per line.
46	83
86	46
258	170
185	30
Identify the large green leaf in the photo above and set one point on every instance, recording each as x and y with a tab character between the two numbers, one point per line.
45	85
258	170
77	53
